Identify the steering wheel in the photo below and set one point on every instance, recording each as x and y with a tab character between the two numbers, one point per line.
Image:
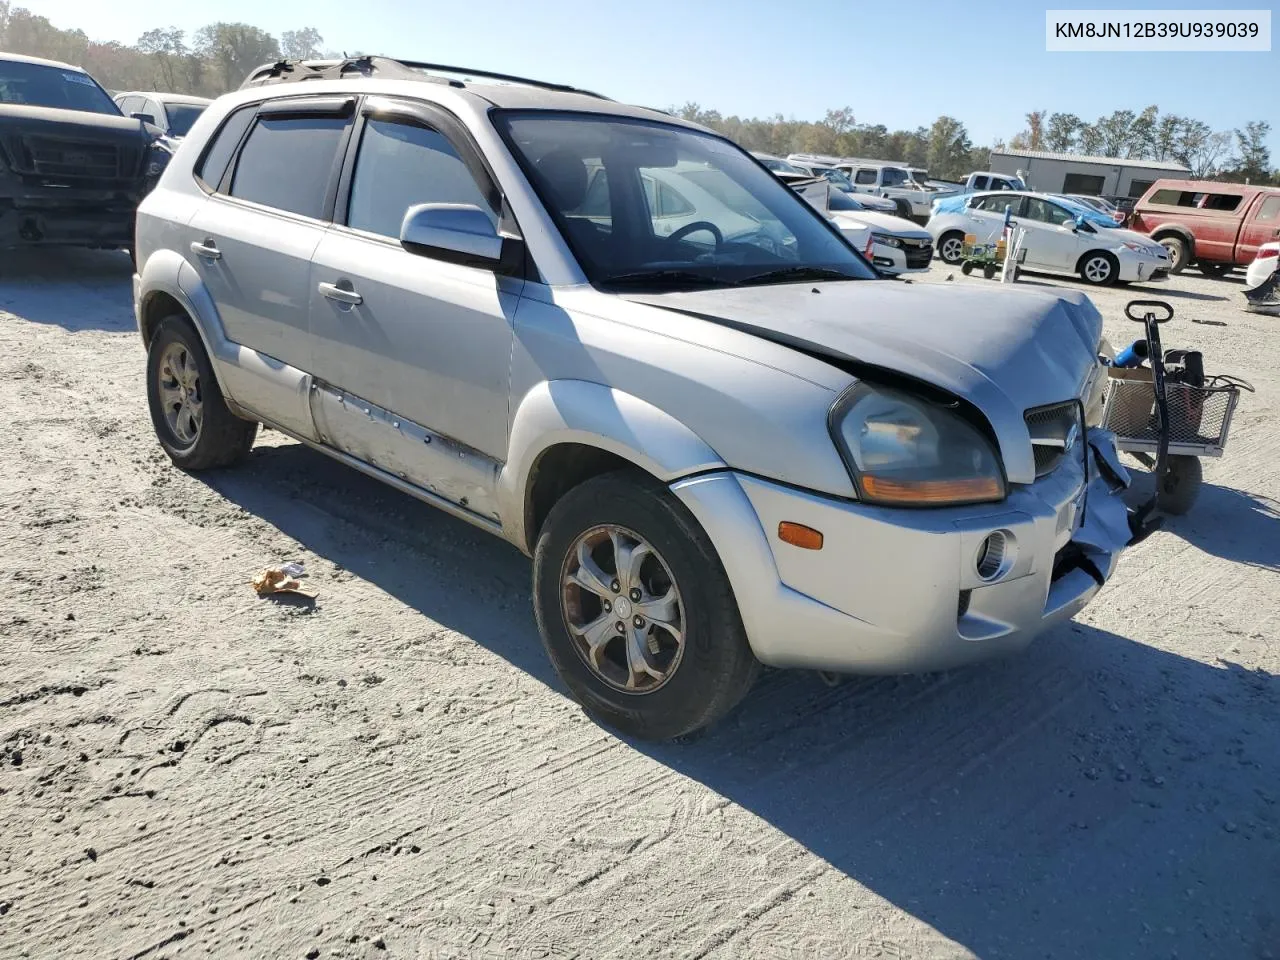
694	227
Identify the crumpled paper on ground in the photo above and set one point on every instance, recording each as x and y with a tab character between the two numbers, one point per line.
282	579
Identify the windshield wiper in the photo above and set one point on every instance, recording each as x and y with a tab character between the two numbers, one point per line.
796	275
663	277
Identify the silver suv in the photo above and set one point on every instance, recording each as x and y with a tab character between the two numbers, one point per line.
615	340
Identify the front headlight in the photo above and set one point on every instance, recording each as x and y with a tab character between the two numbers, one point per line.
1145	249
887	240
902	450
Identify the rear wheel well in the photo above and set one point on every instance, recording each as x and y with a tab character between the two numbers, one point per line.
1182	235
558	470
155	308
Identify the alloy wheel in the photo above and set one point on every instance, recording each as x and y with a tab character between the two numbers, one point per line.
181	399
951	249
1097	269
623	609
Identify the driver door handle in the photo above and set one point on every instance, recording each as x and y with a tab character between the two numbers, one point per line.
206	249
341	294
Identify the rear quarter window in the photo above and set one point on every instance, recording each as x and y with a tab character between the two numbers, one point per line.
217	154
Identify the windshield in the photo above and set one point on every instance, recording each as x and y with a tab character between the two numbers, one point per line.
181	117
642	203
38	85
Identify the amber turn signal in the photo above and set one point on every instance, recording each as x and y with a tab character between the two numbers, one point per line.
798	535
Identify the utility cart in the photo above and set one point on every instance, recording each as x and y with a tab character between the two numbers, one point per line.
1168	419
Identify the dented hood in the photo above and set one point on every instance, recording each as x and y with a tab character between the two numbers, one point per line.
1004	350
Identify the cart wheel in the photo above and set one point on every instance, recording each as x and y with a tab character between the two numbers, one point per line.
988	271
966	268
1181	485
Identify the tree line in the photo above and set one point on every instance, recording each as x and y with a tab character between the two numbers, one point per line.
216	58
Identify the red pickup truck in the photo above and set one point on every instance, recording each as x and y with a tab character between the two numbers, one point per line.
1216	226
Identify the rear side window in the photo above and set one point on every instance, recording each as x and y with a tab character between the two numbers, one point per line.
218	154
287	163
865	177
401	165
1191	198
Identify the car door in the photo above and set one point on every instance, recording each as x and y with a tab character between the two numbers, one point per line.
418	348
984	216
271	173
1261	225
1051	242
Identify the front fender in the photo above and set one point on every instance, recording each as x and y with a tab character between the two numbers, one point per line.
578	411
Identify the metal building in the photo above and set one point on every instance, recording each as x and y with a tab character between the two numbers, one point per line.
1076	173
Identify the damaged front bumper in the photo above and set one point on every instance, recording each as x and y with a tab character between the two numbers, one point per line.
902	591
66	216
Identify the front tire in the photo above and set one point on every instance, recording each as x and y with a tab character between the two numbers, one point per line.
1099	269
191	419
635	610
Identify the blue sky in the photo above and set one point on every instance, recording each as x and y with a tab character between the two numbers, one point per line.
901	63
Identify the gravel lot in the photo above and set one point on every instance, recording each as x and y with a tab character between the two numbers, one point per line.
186	769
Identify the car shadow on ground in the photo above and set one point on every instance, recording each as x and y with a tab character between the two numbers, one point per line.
73	289
1093	797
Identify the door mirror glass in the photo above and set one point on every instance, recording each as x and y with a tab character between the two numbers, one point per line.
456	232
145	118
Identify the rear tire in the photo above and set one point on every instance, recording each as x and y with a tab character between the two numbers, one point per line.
903	208
951	247
1179	253
697	678
190	416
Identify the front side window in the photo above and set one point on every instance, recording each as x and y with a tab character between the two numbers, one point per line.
1270	209
38	85
1046	212
894	177
287	163
607	182
979	183
401	165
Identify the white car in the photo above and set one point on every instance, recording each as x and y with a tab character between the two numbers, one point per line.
1062	236
895	246
1261	291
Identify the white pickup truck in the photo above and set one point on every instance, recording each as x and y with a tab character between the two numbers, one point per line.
904	185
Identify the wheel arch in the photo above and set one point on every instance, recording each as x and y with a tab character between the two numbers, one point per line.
1176	230
1115	261
565	431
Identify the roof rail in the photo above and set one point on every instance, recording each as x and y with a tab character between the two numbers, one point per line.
289	71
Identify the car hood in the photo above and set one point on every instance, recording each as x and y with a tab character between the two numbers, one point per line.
883	222
1004	351
1128	236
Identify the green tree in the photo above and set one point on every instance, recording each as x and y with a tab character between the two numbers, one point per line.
233	49
1254	160
168	49
1061	132
301	44
948	148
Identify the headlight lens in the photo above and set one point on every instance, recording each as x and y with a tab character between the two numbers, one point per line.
905	451
887	240
1143	248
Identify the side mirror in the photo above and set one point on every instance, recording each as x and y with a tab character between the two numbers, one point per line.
455	232
145	118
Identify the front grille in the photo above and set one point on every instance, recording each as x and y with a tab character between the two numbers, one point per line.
919	253
1055	430
56	158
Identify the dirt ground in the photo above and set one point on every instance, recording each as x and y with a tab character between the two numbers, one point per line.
188	770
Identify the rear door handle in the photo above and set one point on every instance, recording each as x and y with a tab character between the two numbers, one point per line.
341	294
208	250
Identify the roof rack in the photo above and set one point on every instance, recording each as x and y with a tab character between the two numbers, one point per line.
292	71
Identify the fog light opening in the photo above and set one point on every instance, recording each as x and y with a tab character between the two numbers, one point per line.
995	556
